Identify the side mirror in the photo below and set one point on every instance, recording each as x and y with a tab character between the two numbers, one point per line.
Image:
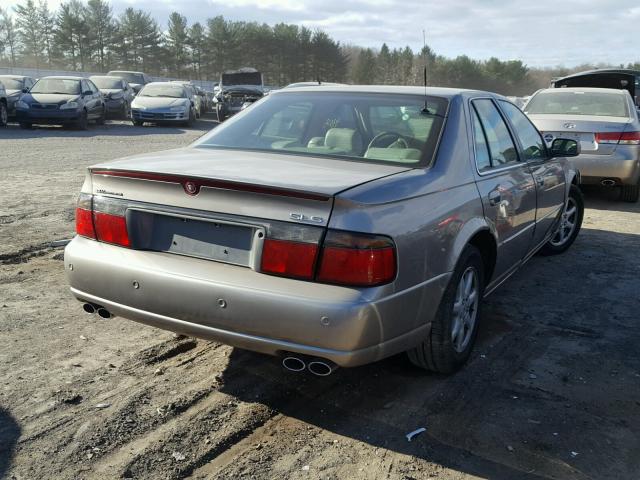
87	93
564	147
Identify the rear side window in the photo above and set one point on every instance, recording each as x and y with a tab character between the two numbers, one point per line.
532	143
502	150
483	160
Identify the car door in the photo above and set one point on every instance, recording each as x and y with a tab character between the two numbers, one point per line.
547	172
505	185
96	99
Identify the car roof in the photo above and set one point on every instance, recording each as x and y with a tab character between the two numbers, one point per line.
15	77
603	70
110	77
615	91
64	77
126	71
388	89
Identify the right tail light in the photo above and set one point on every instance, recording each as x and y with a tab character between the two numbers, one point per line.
618	138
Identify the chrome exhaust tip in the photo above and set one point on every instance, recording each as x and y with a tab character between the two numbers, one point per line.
608	182
89	308
104	313
293	364
322	368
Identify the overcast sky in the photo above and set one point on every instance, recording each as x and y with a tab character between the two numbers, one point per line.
538	32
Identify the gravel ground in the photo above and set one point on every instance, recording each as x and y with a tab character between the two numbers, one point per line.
551	390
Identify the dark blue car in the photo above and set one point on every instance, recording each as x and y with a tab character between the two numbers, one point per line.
61	101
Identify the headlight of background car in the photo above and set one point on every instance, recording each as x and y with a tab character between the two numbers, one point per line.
69	105
22	105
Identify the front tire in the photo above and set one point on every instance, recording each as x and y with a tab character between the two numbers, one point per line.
630	193
569	226
137	123
83	122
455	326
4	114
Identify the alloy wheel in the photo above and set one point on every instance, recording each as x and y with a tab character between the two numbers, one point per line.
465	309
568	223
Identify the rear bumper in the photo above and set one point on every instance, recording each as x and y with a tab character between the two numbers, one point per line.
261	313
623	166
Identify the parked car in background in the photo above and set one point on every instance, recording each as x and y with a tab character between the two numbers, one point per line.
117	94
160	102
616	78
4	110
136	80
61	100
329	225
193	96
237	88
604	122
15	86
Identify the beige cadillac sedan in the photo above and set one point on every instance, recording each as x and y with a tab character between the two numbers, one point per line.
329	225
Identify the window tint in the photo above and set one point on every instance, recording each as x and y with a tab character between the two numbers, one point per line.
532	143
482	149
289	123
501	147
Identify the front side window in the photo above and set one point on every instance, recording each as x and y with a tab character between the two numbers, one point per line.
392	128
530	139
12	83
502	150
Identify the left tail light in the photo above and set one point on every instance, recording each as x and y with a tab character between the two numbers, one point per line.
102	219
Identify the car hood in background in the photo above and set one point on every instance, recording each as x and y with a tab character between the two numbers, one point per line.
308	174
58	98
110	91
158	102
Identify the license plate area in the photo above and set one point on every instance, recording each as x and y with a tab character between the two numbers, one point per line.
210	239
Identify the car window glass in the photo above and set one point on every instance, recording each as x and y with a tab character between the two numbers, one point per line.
532	143
483	160
289	123
92	87
501	147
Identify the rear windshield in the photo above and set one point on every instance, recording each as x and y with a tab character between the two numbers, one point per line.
109	83
129	77
367	127
11	83
57	85
578	103
168	90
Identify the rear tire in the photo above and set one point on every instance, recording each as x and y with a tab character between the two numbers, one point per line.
455	326
563	239
630	193
137	123
4	114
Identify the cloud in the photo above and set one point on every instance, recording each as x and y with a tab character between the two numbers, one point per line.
540	33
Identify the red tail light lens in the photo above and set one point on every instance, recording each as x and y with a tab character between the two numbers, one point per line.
357	260
630	138
84	223
111	229
622	138
289	259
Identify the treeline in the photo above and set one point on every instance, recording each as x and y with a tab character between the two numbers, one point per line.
90	37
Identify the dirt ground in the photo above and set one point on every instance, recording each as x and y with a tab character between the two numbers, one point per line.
552	390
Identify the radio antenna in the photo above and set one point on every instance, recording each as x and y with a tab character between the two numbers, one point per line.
425	109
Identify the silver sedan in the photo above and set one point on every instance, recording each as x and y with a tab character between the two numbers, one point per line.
605	123
329	225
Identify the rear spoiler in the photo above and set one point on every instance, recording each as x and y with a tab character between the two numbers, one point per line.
618	81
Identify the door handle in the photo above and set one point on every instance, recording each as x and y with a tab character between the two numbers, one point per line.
494	197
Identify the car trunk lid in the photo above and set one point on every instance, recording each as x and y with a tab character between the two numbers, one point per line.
584	130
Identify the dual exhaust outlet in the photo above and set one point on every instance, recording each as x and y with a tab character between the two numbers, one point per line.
92	308
317	366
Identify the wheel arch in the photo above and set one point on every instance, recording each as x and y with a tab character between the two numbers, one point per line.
478	233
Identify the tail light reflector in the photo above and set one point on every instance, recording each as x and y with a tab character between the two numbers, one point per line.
289	259
614	138
111	229
357	260
84	223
